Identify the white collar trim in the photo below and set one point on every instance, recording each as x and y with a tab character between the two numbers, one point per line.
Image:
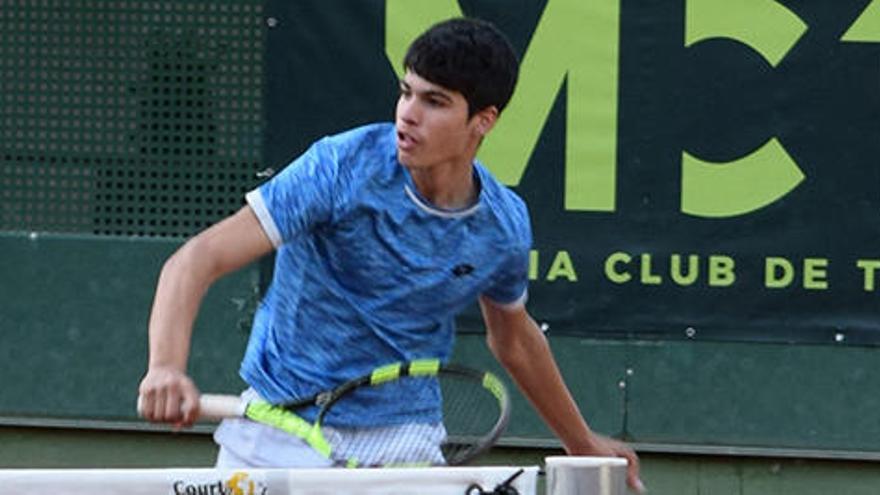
433	210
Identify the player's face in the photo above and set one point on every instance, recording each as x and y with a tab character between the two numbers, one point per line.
432	125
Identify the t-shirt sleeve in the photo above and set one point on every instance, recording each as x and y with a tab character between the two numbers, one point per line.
300	197
510	288
510	284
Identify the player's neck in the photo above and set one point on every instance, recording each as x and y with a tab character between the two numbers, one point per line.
448	186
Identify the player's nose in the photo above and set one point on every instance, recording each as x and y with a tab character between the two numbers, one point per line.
407	111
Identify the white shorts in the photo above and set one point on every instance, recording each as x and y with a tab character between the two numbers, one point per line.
246	443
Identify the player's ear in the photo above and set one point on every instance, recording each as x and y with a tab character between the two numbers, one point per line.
485	119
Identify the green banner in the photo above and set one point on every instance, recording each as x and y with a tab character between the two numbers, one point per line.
694	169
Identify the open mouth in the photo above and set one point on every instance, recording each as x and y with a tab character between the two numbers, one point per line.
406	141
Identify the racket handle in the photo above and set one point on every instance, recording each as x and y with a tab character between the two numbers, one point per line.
214	407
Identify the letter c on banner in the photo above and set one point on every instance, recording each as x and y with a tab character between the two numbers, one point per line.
737	187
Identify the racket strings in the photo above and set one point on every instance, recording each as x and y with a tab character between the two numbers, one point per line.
470	413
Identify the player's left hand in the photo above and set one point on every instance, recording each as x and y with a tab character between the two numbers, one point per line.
600	445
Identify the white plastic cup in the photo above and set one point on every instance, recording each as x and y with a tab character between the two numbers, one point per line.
577	475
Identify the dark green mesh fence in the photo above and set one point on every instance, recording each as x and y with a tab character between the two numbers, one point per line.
128	117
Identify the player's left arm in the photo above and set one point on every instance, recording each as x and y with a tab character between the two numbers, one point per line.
520	346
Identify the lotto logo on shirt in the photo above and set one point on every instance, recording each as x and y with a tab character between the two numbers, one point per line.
239	483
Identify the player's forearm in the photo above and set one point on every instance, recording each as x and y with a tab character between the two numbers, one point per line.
224	247
184	279
529	361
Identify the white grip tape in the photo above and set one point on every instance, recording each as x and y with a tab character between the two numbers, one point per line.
213	407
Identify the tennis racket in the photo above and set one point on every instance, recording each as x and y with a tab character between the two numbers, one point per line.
475	412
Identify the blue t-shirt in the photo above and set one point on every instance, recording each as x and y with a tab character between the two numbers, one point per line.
368	272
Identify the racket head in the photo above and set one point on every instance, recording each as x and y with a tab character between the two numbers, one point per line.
475	412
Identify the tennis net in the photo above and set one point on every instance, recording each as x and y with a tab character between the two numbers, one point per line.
385	481
565	476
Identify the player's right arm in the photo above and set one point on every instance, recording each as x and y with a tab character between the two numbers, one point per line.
167	394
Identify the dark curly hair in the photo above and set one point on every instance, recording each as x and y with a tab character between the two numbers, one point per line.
470	56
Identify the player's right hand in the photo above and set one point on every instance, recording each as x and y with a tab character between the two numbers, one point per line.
168	395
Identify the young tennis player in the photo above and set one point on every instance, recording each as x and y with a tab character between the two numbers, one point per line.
382	235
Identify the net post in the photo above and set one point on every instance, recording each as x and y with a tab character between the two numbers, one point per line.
585	475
